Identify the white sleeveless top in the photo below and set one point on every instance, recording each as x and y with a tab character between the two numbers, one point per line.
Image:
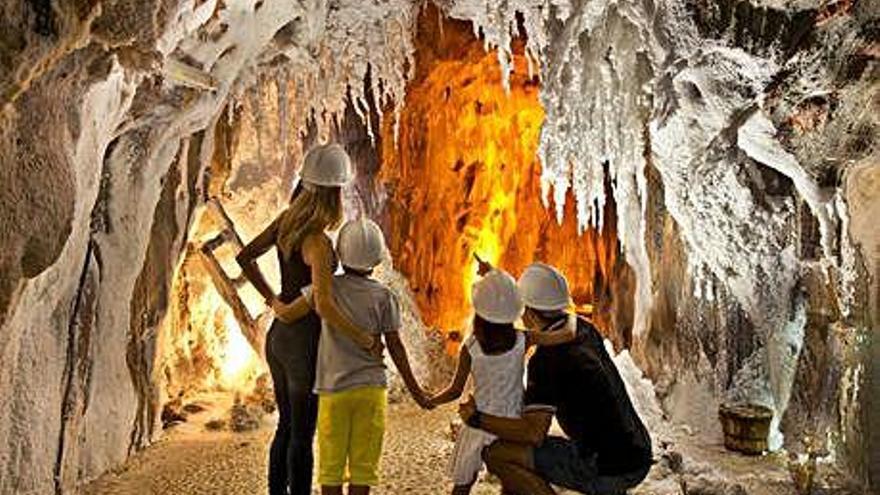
498	390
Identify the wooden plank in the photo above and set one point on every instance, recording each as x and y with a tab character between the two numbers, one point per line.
229	228
226	288
215	242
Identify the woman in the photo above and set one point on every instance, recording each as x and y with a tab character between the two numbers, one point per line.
306	257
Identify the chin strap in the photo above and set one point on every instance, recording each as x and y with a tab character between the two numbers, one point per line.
555	324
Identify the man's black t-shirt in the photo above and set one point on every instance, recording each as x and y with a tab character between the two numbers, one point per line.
592	406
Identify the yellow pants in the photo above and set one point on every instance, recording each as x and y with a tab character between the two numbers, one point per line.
351	427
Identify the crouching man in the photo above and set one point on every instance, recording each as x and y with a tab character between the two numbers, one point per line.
607	449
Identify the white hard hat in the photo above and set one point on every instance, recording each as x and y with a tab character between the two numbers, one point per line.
496	298
544	288
326	165
361	244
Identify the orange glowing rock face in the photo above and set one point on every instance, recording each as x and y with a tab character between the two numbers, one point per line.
464	179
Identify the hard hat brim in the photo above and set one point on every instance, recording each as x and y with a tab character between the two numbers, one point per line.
327	183
498	320
360	266
549	307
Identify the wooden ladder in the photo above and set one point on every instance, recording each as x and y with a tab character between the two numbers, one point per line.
227	286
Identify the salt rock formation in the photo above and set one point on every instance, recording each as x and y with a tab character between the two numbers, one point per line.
740	137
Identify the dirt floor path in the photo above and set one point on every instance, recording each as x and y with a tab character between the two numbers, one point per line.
191	461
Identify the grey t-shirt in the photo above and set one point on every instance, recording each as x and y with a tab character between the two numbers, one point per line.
342	363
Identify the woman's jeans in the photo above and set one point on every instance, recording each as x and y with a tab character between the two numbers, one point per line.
291	352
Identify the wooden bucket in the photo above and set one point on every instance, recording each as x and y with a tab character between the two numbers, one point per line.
746	427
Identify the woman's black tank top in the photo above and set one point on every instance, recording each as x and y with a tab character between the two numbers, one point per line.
295	274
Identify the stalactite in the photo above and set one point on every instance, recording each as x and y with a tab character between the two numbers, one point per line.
255	105
360	38
283	124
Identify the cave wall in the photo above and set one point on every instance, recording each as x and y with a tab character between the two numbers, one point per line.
58	157
795	173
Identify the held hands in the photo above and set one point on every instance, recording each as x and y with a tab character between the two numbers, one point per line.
435	400
423	400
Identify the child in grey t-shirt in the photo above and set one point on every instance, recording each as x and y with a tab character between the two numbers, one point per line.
342	363
350	380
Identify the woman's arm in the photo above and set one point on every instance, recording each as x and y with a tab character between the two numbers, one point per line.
247	260
456	387
289	313
554	337
318	253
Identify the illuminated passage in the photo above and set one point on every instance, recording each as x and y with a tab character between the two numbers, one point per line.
464	178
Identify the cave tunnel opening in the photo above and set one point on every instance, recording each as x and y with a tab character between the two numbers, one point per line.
463	178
